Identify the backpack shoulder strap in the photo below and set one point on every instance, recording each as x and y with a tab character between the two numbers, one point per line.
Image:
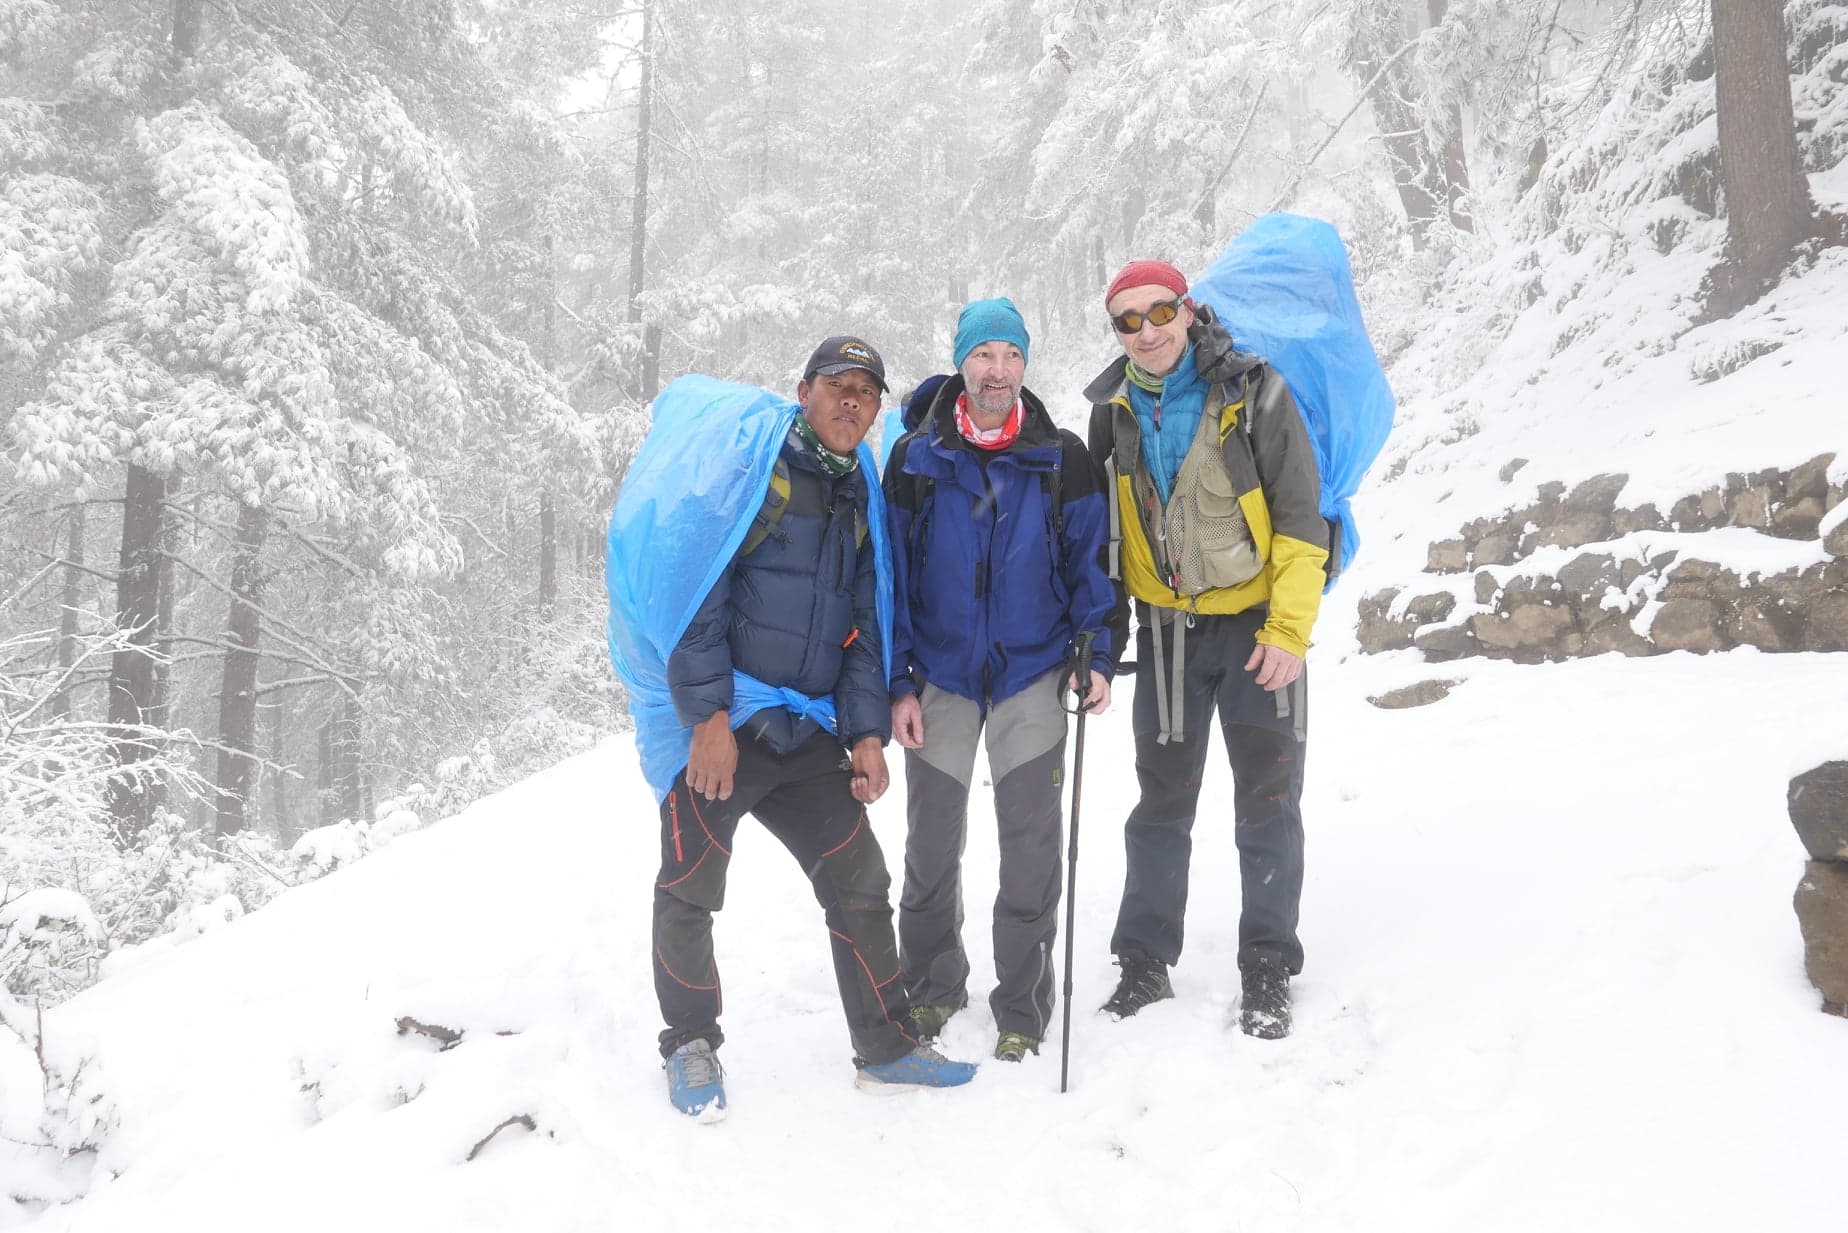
1054	483
776	502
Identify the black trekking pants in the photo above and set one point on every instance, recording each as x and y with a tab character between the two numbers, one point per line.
804	799
1266	736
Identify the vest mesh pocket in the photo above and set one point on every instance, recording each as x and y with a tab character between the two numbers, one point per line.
1209	525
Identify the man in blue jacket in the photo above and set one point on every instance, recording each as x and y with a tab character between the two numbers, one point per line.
997	526
796	608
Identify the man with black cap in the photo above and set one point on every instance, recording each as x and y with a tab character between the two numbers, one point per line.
796	609
1219	538
997	528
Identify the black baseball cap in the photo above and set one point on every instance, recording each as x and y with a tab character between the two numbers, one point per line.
842	353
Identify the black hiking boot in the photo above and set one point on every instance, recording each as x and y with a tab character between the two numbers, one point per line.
1143	981
1264	1009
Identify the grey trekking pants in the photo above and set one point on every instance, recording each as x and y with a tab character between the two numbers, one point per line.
1025	736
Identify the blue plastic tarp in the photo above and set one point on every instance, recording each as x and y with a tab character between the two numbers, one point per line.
684	509
891	428
1286	292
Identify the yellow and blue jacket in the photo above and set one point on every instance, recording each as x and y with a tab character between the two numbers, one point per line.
1264	452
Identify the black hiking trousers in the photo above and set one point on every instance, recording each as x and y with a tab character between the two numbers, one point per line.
804	798
1266	737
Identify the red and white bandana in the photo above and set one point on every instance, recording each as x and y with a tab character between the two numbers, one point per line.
989	438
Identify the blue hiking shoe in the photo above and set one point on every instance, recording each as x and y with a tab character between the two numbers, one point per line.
922	1067
695	1080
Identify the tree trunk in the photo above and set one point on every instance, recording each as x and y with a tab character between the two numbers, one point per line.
187	16
1381	61
67	614
651	362
237	696
548	512
638	221
324	775
1455	166
548	552
160	705
348	779
1768	206
279	821
131	671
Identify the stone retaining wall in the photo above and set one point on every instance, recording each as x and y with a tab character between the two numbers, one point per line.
1514	587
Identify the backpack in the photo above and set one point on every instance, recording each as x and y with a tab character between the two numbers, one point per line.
1285	291
776	504
686	503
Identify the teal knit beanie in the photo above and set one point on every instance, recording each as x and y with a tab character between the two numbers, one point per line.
994	320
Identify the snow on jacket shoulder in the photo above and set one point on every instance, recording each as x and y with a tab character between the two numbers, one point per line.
989	594
797	611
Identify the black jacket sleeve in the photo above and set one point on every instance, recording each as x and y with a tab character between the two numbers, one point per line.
1102	443
699	671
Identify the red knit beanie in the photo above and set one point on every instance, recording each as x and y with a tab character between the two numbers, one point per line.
1147	274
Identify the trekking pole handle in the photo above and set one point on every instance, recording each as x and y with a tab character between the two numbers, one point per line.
1081	665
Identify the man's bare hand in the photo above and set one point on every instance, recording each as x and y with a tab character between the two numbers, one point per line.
908	722
1275	666
869	769
1098	700
713	760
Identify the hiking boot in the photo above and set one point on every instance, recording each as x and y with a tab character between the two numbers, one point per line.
922	1067
1264	1008
928	1021
1014	1046
1143	981
695	1080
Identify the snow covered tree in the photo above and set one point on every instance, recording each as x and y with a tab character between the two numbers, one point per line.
1768	206
285	329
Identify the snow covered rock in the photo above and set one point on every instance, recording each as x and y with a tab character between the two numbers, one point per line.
1822	911
1818	802
1423	693
1835	543
1687	624
1827	627
1819	810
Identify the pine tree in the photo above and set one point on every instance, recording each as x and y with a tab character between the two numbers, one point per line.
1768	206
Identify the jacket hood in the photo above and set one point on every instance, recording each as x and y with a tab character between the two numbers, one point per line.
1216	358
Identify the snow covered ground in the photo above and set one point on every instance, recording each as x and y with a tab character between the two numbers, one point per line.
1554	978
1554	981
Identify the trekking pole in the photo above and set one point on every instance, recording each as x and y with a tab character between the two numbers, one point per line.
1081	671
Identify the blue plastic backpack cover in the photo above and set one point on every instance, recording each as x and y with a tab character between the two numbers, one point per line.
685	507
1285	291
891	428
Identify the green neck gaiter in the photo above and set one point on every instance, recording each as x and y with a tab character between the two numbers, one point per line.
1139	378
834	464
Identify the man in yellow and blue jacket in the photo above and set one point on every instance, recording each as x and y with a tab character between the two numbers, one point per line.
1217	537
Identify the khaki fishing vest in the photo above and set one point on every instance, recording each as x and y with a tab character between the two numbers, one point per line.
1202	538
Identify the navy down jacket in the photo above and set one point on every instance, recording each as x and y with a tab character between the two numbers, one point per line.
797	611
988	595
